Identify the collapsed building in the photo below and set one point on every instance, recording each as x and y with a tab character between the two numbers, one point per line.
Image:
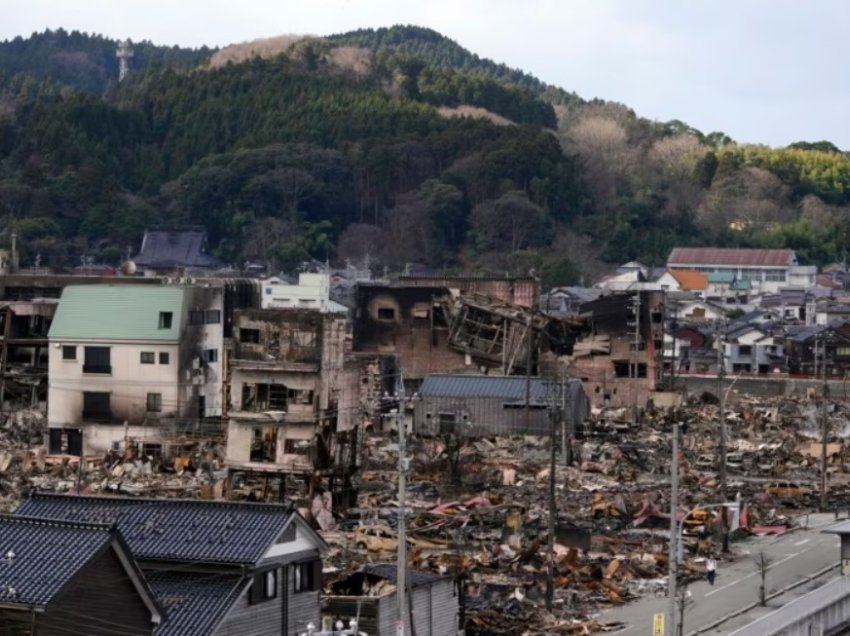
24	325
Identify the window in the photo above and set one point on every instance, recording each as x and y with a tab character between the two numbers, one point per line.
775	276
386	313
69	352
263	397
264	586
163	357
96	406
165	319
249	335
308	576
212	317
97	360
154	402
147	357
196	317
745	350
211	355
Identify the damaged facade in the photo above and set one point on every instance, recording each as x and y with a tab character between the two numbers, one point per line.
291	400
24	325
133	363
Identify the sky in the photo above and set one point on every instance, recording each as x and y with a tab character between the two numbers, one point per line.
761	71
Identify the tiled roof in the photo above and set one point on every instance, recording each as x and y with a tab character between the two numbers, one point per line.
174	529
194	602
118	312
689	279
729	256
178	247
506	388
389	571
38	557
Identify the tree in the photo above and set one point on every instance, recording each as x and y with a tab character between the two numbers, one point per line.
512	222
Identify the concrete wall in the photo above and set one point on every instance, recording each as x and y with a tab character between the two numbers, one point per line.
766	385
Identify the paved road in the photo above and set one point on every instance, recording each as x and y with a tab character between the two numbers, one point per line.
794	556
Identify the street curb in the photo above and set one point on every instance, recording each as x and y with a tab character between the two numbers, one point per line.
769	597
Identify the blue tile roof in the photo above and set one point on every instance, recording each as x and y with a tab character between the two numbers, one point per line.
38	557
502	387
175	247
174	529
194	602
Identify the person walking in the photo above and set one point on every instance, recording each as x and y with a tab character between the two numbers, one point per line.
710	570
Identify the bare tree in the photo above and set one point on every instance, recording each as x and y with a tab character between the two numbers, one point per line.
763	563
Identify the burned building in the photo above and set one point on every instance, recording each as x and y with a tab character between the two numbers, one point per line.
290	391
436	330
619	360
522	292
24	326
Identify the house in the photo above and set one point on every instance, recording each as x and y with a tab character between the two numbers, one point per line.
565	301
749	348
217	568
809	347
175	249
63	576
686	280
726	288
294	396
482	405
697	311
133	362
370	594
311	292
766	269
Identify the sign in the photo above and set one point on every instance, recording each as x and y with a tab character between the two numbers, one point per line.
658	625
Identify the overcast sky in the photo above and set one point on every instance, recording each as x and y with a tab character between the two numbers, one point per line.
762	71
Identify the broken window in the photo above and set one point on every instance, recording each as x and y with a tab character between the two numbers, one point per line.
165	319
154	402
147	357
386	313
263	397
264	445
249	335
96	406
299	396
69	352
97	360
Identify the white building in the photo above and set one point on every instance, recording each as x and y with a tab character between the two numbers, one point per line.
766	270
132	362
311	292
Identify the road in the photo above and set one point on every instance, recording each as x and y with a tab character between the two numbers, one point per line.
794	556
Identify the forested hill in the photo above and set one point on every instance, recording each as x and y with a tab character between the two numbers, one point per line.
393	143
86	62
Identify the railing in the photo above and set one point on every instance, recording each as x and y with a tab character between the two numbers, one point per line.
104	369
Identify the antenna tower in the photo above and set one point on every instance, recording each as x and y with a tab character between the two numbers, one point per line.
124	53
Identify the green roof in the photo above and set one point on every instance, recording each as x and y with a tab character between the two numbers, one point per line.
118	312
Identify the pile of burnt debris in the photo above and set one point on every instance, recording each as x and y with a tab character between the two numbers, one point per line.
481	517
478	509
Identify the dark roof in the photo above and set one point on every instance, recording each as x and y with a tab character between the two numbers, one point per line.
194	602
730	256
174	529
389	572
502	387
40	556
176	247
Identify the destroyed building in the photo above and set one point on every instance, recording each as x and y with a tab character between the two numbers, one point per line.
522	292
24	325
133	363
619	360
476	406
293	396
370	594
437	330
215	567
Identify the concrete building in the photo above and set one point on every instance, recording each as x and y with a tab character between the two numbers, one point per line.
311	292
767	270
293	396
133	362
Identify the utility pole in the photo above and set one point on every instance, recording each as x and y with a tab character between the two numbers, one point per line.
554	412
403	465
721	372
672	559
528	334
566	449
635	359
824	432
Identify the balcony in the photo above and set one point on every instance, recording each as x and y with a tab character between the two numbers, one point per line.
97	368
